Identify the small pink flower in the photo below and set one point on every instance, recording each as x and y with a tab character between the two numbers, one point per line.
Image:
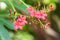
47	24
33	13
20	22
38	14
41	14
30	8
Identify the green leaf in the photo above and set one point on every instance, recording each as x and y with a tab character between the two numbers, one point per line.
0	38
7	23
20	6
5	15
4	33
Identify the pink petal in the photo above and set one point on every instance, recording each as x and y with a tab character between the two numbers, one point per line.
44	18
29	8
20	27
47	24
15	27
45	14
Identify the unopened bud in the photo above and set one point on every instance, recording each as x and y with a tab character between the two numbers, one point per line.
52	6
14	12
10	10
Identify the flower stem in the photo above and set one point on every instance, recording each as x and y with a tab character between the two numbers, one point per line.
23	3
40	22
13	9
11	5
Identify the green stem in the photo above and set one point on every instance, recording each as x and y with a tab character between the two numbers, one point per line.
40	22
23	3
11	5
13	9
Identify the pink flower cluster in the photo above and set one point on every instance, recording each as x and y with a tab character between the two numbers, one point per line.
38	14
20	22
